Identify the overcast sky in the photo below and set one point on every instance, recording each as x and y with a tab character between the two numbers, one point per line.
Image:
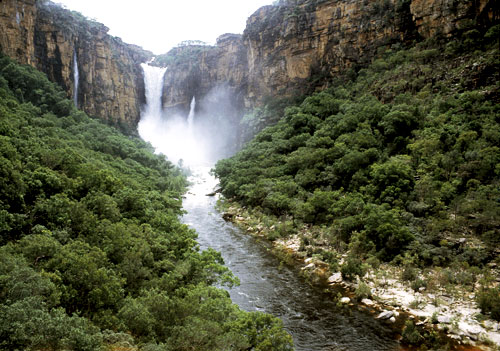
159	25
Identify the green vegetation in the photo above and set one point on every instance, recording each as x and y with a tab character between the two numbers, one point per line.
189	52
400	159
92	252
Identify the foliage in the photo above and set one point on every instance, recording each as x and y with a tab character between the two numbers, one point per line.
392	161
488	300
363	291
352	268
411	334
91	241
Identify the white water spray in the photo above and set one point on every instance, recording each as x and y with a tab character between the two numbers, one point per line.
76	77
174	136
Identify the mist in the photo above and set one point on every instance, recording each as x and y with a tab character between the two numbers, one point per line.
209	132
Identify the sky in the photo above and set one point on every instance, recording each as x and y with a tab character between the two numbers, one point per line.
159	25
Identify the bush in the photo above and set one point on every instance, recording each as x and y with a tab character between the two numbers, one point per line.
488	300
363	291
352	268
409	273
411	335
418	283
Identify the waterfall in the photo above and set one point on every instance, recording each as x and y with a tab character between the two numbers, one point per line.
173	135
153	81
76	77
191	113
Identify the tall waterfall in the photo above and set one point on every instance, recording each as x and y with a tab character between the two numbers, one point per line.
153	81
191	112
76	77
172	135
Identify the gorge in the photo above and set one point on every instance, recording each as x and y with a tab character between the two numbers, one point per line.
360	138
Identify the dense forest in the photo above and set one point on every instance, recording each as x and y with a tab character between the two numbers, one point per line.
93	255
396	162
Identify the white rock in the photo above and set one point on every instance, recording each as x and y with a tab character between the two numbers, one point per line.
473	329
367	302
490	325
309	266
444	319
385	315
335	278
345	300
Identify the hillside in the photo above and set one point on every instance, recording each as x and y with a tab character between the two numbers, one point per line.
394	163
93	256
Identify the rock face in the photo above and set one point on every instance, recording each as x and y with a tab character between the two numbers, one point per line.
298	45
287	49
199	70
111	84
17	24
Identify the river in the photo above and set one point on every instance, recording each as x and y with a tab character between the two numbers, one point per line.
308	314
311	316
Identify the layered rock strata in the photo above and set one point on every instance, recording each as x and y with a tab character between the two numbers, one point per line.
296	46
111	84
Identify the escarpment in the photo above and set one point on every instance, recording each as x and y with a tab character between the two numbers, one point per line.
52	39
201	71
288	49
294	47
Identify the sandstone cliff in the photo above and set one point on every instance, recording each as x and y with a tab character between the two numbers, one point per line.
111	84
199	70
17	27
299	45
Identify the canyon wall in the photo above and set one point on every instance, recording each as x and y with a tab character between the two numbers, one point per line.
199	71
287	49
296	46
111	84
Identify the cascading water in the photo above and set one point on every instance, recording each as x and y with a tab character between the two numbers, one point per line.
76	77
190	119
313	318
174	136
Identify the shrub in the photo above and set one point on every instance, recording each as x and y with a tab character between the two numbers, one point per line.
363	291
352	268
488	300
411	335
418	283
409	273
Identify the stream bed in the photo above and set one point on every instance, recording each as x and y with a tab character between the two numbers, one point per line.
309	314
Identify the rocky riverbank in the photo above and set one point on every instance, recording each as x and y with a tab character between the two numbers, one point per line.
445	308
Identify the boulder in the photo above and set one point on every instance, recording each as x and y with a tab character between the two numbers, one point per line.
367	302
385	315
444	319
335	278
309	266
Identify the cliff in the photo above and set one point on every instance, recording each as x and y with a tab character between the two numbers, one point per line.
111	84
297	46
197	71
17	27
288	49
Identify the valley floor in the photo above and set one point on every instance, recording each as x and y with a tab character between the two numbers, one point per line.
451	309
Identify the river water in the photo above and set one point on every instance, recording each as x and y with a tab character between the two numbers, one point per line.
309	315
